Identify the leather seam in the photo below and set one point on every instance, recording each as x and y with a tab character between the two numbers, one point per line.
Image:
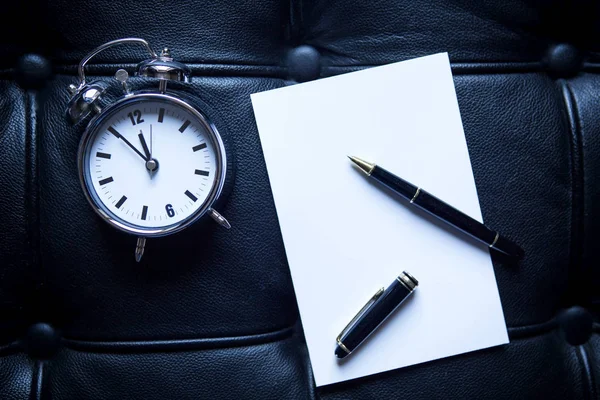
592	376
37	380
29	179
524	331
11	348
178	344
591	67
457	67
280	71
257	339
17	346
577	178
586	370
281	334
220	70
460	67
32	182
296	21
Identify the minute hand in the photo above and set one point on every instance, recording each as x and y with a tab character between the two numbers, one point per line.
119	136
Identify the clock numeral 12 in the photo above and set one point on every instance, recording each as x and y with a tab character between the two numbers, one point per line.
138	115
170	211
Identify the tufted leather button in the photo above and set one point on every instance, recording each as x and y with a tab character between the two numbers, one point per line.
304	63
32	71
564	60
42	340
576	324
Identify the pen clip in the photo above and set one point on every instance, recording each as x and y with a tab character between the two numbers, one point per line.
361	312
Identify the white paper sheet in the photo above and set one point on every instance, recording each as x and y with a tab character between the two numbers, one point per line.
345	237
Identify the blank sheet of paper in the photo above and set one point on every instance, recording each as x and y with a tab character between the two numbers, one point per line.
345	237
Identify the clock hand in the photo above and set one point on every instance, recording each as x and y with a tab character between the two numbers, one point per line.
153	169
119	136
132	146
151	164
145	146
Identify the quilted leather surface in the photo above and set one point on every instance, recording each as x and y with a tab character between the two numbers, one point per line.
211	313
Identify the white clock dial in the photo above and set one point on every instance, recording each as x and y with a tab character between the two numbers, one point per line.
151	164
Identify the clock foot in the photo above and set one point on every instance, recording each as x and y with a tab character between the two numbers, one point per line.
219	218
139	248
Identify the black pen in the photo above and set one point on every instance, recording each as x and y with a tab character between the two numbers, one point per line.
439	209
381	306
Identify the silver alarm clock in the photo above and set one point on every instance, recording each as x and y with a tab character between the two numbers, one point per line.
151	163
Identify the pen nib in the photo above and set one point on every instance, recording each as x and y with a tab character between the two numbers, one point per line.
365	166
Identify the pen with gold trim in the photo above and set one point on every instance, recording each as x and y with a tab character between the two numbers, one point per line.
440	209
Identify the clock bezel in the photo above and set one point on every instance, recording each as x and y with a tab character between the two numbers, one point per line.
92	130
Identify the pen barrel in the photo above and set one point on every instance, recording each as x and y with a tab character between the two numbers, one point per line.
445	212
436	207
378	312
397	184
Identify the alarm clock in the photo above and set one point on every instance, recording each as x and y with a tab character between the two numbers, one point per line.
151	163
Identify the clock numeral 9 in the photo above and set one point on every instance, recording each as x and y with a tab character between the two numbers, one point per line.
138	115
170	211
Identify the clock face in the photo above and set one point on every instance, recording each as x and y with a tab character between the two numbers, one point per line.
152	164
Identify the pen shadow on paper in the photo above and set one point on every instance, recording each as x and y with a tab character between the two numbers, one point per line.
364	346
448	229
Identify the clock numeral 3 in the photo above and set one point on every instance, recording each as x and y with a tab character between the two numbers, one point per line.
138	117
170	211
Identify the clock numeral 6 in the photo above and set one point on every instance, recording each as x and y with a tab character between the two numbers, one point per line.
170	211
138	115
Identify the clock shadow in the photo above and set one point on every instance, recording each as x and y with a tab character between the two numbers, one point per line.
169	257
191	248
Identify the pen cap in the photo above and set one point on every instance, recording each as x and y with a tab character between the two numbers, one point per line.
408	280
377	310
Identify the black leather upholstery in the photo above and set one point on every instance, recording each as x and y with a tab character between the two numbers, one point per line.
211	313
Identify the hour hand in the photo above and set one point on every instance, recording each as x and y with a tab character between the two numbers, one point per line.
145	146
151	163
